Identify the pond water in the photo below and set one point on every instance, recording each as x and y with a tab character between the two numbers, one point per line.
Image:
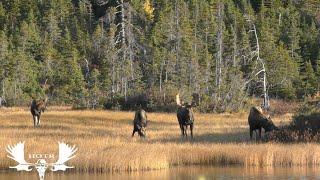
194	172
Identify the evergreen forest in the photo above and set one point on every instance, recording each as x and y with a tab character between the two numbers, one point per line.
120	54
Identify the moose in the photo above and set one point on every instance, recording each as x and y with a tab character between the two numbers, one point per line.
140	123
257	120
37	106
185	115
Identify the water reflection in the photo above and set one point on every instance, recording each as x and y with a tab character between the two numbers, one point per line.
194	172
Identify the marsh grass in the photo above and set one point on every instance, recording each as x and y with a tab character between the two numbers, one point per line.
105	143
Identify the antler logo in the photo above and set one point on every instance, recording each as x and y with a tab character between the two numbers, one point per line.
66	153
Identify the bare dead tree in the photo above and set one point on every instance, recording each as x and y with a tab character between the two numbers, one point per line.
122	24
161	73
220	47
177	34
87	69
127	46
255	55
208	65
235	48
120	42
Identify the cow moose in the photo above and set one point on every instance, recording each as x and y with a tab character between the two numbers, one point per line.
185	116
140	123
37	106
257	120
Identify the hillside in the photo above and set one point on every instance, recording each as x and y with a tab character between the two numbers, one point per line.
120	54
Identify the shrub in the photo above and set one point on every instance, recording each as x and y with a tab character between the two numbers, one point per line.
304	127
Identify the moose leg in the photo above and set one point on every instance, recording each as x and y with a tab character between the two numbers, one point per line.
144	131
133	132
256	134
140	133
185	130
191	130
259	133
38	120
251	131
34	120
182	129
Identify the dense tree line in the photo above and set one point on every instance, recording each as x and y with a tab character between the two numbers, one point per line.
120	53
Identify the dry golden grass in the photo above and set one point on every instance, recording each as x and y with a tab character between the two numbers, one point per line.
105	143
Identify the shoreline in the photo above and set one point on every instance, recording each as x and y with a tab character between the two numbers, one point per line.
193	166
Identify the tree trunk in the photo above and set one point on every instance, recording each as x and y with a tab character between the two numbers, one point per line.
265	104
235	43
220	49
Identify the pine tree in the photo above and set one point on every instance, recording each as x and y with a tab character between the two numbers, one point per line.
310	81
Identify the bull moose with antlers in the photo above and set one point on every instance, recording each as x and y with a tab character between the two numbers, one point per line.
185	115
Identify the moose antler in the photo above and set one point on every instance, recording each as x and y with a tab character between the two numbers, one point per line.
66	153
178	99
17	154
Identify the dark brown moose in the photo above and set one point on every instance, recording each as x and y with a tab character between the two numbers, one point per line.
140	123
257	120
185	116
37	106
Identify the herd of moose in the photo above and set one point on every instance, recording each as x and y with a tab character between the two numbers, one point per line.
257	120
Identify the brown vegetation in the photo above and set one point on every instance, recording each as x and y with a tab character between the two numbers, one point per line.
305	126
105	143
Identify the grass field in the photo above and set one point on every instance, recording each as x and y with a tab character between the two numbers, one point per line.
105	143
